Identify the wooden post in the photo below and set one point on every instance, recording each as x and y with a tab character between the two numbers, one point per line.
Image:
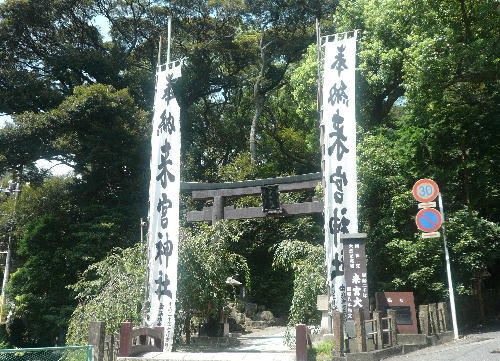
338	333
301	342
377	327
217	209
96	339
125	339
391	314
423	318
433	317
109	347
359	325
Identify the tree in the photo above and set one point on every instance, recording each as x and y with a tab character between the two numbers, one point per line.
49	255
100	133
438	60
205	263
48	48
308	263
111	291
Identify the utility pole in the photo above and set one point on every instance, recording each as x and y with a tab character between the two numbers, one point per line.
6	273
448	273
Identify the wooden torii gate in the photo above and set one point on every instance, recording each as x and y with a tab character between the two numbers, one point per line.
270	186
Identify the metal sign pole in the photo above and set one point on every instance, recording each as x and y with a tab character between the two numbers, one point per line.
448	271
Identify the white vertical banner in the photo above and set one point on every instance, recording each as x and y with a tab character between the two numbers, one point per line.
339	120
164	187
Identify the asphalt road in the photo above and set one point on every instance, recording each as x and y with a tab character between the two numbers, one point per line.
474	347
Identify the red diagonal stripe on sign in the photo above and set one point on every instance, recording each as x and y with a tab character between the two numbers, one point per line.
431	222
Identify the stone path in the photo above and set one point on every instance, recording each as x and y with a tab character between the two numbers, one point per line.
269	339
261	345
215	356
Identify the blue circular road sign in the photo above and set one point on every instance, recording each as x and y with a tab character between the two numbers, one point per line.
429	220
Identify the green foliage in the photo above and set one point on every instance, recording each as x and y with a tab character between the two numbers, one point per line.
321	352
56	242
308	264
427	102
474	243
205	262
111	291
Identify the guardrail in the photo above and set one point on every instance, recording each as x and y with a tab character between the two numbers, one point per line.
65	353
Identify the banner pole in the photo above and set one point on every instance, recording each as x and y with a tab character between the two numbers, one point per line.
448	272
169	39
158	61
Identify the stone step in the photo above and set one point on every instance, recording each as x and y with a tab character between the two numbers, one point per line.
215	341
257	324
212	356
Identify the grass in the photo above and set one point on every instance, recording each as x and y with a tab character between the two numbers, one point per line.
320	352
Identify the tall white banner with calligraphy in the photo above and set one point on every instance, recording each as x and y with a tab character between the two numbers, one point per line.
164	187
339	120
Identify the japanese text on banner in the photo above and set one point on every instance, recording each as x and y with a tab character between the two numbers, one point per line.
163	232
339	120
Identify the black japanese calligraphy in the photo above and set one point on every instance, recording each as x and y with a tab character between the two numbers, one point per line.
340	138
163	283
163	248
168	93
338	95
162	167
337	266
338	225
340	180
160	315
340	62
163	205
166	124
343	300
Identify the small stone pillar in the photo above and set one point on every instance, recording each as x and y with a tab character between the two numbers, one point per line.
423	319
225	330
377	327
433	315
96	339
444	318
391	314
322	305
125	339
338	334
301	342
359	325
159	341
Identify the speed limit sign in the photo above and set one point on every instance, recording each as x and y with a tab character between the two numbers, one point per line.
425	190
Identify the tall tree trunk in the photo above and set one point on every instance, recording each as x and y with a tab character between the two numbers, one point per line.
187	327
464	159
479	295
259	104
258	98
466	20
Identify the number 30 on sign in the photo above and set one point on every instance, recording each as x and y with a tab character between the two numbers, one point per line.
425	190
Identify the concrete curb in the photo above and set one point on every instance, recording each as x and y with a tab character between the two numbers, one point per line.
407	344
